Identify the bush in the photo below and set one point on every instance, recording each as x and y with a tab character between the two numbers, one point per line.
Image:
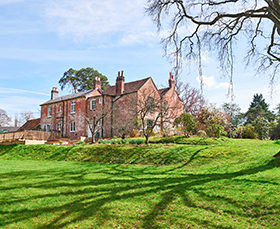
202	134
261	126
186	123
215	130
247	131
136	141
134	133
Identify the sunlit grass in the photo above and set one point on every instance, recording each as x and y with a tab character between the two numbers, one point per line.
231	185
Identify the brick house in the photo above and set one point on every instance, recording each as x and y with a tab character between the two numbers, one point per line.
67	114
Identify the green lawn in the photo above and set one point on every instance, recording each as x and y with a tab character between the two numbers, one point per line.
232	184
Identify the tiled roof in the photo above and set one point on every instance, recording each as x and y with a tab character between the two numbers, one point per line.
163	91
67	97
128	87
32	124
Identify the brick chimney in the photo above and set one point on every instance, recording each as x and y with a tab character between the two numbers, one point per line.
171	81
119	84
54	93
97	83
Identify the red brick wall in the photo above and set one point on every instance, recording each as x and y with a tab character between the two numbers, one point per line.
124	113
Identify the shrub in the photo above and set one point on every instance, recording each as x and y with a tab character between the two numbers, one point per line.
136	141
134	133
261	126
186	123
247	131
215	130
201	133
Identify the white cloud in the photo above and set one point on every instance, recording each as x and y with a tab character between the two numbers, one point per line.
15	90
123	21
210	83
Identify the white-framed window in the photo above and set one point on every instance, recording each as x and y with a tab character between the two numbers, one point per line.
59	108
72	126
99	122
49	111
93	105
100	100
48	128
58	126
73	107
150	104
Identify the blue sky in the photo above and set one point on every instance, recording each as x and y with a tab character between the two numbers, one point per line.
40	40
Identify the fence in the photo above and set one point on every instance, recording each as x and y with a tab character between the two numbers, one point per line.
29	135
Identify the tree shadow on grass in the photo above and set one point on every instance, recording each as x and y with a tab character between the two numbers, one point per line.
80	197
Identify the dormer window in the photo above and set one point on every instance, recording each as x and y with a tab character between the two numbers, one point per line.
73	107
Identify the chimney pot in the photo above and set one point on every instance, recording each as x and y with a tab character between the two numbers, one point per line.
97	83
54	93
171	81
120	84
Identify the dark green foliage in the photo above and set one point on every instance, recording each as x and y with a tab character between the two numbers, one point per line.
275	130
82	80
258	108
136	141
261	127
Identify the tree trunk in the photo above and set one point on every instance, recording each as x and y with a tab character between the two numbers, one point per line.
146	139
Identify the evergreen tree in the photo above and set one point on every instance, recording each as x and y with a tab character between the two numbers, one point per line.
258	108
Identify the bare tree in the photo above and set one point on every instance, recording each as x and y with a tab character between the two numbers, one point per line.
193	25
4	118
192	98
95	123
153	113
26	116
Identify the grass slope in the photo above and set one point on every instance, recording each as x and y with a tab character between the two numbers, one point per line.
235	184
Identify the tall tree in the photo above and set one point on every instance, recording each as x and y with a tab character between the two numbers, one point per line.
233	111
70	79
258	108
194	25
82	80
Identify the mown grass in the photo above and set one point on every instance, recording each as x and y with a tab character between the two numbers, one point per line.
235	184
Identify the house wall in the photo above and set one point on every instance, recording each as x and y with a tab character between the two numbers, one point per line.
121	111
124	114
65	117
175	109
149	89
